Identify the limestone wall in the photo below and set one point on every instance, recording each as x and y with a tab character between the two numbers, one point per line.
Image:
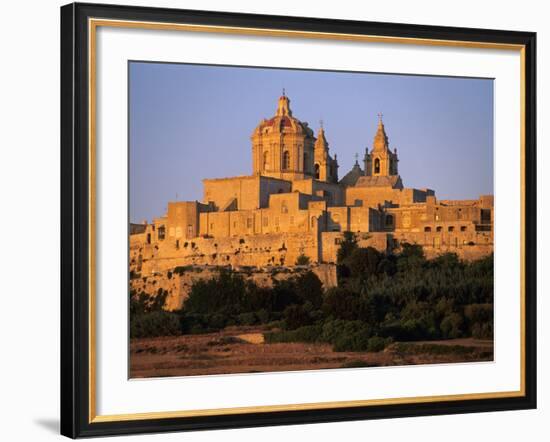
331	243
178	285
247	250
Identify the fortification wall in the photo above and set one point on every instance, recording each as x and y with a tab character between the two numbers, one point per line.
278	249
331	243
468	245
178	285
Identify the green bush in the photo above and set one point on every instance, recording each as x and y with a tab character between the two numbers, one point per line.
377	343
302	260
451	326
309	333
248	318
153	324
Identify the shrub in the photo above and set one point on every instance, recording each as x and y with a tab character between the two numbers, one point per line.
358	341
302	260
377	343
296	316
309	333
153	324
451	326
248	318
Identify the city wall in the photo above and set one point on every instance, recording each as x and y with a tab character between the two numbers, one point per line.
179	284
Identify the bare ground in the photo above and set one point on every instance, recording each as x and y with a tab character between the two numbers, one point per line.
242	350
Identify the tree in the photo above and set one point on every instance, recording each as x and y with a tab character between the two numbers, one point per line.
309	288
347	246
363	262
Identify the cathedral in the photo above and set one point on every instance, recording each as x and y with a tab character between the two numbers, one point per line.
294	205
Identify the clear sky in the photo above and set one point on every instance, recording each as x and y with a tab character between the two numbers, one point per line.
190	122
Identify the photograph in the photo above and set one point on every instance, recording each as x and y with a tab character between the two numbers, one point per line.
289	219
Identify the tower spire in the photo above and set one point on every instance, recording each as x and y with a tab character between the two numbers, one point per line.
380	139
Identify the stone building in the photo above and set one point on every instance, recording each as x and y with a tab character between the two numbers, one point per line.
293	204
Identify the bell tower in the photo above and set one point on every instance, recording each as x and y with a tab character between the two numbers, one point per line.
325	167
381	161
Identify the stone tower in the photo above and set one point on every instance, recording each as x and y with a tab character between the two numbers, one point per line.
381	161
282	147
325	168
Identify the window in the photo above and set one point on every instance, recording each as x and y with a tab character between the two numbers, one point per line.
427	229
389	220
161	233
377	166
177	243
265	161
451	229
462	228
148	238
317	171
190	232
286	160
284	208
438	229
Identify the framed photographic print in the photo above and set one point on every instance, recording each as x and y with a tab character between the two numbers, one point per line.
279	220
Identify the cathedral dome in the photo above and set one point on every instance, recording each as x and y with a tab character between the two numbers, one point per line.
283	121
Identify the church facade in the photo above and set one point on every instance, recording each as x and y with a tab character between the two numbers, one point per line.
293	204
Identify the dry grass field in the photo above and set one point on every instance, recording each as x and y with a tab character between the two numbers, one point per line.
243	350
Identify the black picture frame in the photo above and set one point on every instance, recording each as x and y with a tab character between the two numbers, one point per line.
75	220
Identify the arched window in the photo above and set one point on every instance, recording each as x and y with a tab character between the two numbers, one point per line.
266	161
427	229
317	171
284	208
377	165
286	160
451	229
306	162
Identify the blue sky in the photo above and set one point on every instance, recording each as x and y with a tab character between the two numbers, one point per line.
190	122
